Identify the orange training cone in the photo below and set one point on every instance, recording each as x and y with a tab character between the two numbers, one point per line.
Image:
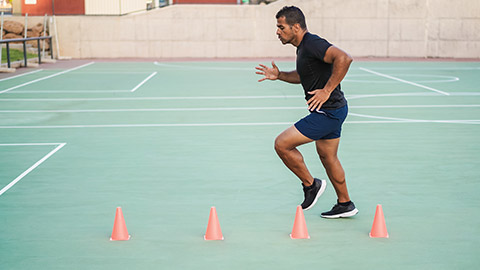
119	232
299	226
379	229
213	228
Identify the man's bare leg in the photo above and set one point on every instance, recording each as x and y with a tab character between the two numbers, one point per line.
286	147
327	150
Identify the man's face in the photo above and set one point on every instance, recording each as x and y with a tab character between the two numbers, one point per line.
284	31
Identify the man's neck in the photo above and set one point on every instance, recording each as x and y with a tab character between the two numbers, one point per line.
299	38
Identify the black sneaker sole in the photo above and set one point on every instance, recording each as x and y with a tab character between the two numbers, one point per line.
342	215
319	193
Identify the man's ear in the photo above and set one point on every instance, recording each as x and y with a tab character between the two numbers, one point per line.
296	28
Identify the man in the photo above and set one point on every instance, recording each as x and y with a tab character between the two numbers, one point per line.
320	67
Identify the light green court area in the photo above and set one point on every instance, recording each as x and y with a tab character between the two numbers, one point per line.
166	141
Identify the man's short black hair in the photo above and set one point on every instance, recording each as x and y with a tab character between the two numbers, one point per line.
292	16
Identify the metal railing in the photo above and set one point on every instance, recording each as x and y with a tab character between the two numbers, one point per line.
24	41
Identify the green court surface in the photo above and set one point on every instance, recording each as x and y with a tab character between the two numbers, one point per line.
166	141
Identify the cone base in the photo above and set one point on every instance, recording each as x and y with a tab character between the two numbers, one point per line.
205	238
121	239
299	237
370	234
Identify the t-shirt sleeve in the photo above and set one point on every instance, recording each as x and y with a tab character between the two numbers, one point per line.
319	47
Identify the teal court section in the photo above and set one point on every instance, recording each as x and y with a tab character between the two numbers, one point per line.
200	134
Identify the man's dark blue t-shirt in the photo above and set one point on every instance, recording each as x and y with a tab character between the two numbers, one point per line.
314	72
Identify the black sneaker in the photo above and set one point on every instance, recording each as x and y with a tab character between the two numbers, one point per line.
313	192
339	211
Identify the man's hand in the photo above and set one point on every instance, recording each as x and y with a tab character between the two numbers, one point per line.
319	97
269	73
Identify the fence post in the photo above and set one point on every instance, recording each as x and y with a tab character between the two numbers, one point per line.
44	34
25	52
26	25
1	37
39	55
8	55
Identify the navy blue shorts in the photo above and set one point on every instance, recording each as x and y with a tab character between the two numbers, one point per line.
322	125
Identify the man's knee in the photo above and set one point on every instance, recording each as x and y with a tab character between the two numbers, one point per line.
282	145
279	146
328	159
288	140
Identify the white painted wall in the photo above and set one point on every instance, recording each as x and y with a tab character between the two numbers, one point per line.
378	28
113	7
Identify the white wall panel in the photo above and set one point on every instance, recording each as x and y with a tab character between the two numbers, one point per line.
113	7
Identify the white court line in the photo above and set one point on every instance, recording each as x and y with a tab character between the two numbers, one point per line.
86	91
60	145
427	68
413	106
144	81
44	78
383	120
110	71
472	121
359	96
382	68
381	117
422	94
234	109
156	110
152	98
404	81
150	125
27	144
28	73
436	78
66	91
202	67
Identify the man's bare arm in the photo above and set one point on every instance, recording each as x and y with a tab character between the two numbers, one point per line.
289	76
341	62
274	73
